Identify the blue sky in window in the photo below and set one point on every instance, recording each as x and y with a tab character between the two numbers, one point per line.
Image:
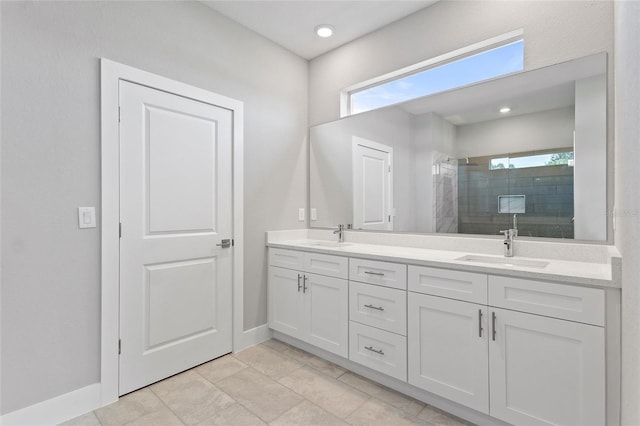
482	66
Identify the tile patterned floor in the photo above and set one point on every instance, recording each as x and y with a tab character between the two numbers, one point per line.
271	383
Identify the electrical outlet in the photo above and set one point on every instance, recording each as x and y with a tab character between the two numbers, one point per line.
314	214
301	214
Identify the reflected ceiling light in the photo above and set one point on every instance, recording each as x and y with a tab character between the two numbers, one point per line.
324	30
505	110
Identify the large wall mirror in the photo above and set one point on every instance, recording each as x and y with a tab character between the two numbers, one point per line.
459	162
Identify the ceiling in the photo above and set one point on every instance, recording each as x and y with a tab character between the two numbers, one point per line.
291	23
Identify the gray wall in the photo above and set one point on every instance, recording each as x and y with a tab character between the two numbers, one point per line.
51	164
627	212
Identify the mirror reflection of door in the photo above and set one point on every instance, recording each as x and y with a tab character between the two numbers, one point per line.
372	185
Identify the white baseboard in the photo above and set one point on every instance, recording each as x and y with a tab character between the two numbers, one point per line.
252	337
56	410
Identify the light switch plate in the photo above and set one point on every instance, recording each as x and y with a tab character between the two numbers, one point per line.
314	214
87	217
301	214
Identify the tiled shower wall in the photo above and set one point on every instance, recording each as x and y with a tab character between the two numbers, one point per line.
548	191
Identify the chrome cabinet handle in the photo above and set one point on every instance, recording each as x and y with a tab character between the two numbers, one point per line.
377	308
479	322
372	349
380	274
304	284
299	285
493	325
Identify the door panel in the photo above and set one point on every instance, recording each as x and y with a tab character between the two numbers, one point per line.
286	301
372	185
448	349
327	313
546	371
181	172
175	206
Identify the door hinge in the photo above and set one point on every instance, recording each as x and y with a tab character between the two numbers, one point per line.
119	346
389	218
119	115
120	230
233	243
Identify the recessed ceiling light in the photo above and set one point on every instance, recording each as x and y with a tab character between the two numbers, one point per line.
505	110
324	30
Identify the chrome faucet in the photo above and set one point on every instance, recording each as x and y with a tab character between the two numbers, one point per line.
509	237
340	232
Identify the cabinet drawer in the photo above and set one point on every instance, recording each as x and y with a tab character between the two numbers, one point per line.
326	264
381	273
563	301
379	350
380	307
459	285
290	259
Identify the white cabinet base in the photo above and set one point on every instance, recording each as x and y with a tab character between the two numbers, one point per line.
443	404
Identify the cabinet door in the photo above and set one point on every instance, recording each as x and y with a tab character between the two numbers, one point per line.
327	313
546	371
286	301
447	349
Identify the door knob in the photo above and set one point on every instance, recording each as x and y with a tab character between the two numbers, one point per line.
226	243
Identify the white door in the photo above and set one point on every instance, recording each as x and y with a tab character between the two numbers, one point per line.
175	208
372	185
286	301
448	349
546	371
327	313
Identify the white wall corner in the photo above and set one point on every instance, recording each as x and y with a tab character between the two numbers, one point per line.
252	337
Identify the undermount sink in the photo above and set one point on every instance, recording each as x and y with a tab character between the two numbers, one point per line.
504	261
333	244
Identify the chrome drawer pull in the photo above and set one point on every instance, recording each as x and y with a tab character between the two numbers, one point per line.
377	308
380	274
299	286
372	349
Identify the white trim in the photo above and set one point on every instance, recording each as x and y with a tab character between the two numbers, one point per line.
252	337
56	410
345	94
111	74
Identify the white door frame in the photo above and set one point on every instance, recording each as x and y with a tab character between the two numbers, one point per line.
111	74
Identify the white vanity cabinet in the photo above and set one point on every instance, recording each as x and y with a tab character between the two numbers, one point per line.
448	339
378	316
509	358
306	305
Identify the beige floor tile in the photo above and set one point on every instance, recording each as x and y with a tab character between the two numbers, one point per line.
376	412
260	394
307	413
299	355
276	345
326	367
163	417
191	397
328	393
220	368
406	403
129	408
88	419
236	415
267	361
439	418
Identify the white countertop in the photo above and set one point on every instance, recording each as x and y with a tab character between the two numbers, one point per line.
564	271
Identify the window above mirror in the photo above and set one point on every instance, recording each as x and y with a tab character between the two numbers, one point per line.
472	64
